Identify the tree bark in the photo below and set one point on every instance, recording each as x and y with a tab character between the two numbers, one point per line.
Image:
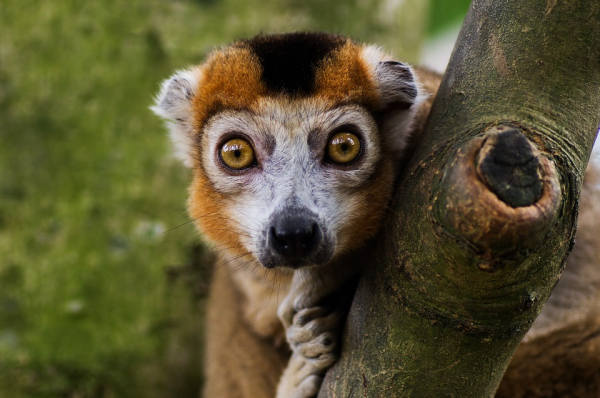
485	211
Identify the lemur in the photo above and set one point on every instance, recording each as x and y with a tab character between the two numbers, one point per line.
295	142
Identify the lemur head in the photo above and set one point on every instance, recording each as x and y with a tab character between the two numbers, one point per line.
293	140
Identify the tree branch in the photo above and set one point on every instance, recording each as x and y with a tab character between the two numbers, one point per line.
485	212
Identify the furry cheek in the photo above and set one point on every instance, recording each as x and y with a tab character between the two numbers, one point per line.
368	206
208	208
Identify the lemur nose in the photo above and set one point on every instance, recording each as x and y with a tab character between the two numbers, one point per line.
294	237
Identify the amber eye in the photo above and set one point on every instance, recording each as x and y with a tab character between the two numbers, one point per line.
237	154
343	147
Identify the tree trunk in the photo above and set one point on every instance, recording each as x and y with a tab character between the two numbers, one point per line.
485	211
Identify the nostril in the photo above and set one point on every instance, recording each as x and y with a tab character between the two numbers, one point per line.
307	236
274	235
279	239
294	238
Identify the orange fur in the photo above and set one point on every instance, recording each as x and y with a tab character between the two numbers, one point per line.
206	206
343	77
231	79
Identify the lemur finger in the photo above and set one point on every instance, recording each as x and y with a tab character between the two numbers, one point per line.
300	334
302	378
302	367
325	343
307	314
296	365
298	369
315	366
322	362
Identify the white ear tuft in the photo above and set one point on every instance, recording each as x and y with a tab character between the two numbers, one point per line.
174	104
397	84
399	93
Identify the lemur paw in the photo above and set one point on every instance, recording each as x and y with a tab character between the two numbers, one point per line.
293	304
312	336
303	376
313	331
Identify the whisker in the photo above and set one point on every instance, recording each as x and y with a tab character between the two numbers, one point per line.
179	226
188	222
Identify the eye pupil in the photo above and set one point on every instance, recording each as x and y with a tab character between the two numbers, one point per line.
343	148
237	154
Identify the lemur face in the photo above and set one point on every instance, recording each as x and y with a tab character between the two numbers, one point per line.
296	176
293	140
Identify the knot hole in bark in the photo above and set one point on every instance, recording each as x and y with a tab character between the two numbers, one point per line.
509	165
501	194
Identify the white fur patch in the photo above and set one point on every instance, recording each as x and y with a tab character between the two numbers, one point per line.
174	104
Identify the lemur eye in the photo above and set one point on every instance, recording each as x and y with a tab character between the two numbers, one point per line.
237	153
343	147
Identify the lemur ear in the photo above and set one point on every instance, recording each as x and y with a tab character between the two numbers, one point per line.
174	104
399	94
397	84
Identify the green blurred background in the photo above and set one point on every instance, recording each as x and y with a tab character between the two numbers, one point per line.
101	279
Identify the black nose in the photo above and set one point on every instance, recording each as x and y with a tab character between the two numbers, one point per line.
294	238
